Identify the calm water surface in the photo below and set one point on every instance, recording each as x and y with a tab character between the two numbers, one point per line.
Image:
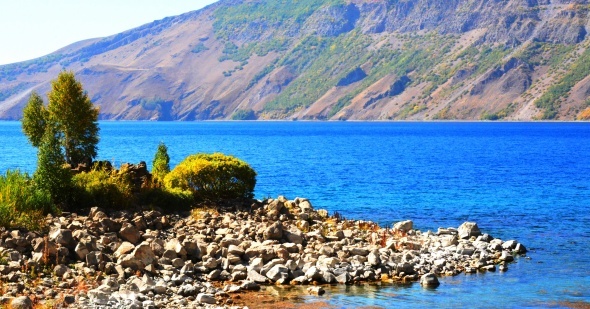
524	181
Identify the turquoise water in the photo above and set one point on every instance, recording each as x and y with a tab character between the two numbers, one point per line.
524	181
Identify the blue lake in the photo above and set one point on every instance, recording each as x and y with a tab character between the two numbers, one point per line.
524	181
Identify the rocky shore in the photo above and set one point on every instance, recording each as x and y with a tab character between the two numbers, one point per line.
207	258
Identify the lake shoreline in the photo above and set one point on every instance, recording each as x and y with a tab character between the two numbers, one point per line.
217	256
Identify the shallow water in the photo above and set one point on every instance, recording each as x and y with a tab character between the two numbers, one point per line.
524	181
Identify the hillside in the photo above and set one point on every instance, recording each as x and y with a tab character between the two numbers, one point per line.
333	59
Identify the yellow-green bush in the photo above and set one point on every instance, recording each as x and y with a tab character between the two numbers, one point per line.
21	203
213	177
103	188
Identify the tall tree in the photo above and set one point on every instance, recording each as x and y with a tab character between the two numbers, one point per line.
34	119
75	117
161	163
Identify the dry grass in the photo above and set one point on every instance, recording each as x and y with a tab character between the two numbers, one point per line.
203	212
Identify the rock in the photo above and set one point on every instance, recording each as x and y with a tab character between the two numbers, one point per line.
506	256
274	207
22	302
429	281
256	264
60	270
274	231
99	297
328	277
313	273
232	289
139	258
295	237
406	268
463	249
448	240
160	287
327	263
359	251
81	251
404	226
509	245
187	290
61	236
520	249
256	277
175	246
305	206
233	249
468	229
278	272
316	290
250	286
343	278
206	299
130	233
373	258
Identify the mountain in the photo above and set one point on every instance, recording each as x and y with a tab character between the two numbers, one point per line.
333	59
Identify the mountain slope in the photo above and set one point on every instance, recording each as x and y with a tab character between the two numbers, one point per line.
333	59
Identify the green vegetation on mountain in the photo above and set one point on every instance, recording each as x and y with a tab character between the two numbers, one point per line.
550	100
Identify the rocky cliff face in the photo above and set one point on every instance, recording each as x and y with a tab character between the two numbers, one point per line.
333	59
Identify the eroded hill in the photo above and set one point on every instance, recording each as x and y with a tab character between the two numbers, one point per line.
333	59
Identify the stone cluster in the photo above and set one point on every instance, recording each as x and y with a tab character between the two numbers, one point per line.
147	259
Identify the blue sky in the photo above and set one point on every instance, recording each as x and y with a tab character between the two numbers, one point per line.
34	28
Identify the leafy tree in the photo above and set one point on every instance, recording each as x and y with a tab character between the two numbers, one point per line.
52	174
71	113
161	163
75	117
34	119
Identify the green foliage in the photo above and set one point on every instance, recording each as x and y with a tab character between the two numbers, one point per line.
31	66
340	104
7	93
505	112
21	203
550	100
254	17
74	115
199	48
53	175
161	163
103	188
213	177
34	119
243	114
321	63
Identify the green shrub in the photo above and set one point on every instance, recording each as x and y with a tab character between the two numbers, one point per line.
213	177
161	163
21	203
243	114
103	188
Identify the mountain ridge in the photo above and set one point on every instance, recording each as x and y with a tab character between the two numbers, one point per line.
333	60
